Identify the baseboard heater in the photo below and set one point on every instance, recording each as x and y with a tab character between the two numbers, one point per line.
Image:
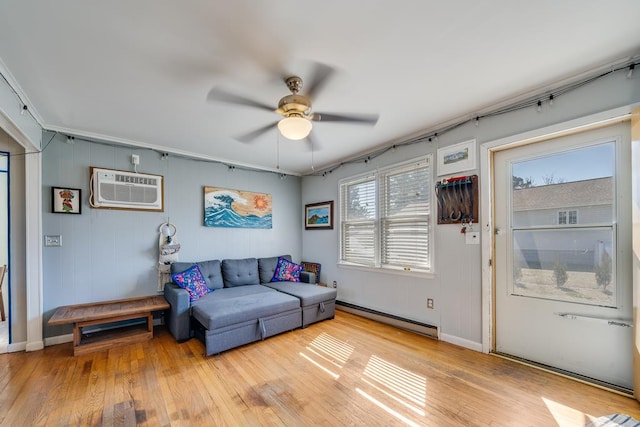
389	319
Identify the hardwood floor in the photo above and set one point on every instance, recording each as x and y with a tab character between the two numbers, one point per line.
346	371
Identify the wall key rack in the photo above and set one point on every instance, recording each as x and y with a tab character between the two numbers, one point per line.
458	200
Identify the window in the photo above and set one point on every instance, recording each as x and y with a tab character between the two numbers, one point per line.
567	217
385	218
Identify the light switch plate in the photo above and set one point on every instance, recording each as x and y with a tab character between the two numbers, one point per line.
53	240
472	238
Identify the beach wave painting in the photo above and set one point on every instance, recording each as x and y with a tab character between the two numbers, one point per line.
236	209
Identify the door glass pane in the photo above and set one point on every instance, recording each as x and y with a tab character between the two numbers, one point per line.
574	187
572	265
563	214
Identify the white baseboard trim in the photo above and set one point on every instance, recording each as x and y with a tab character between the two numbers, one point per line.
35	346
452	339
17	346
59	339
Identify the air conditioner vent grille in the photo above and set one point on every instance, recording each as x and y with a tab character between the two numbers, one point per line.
126	190
128	193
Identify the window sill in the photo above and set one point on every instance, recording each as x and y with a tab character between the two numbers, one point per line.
391	271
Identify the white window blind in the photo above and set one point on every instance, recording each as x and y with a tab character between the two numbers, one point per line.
405	216
385	217
358	214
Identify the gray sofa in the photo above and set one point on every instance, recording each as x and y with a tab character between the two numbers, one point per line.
245	305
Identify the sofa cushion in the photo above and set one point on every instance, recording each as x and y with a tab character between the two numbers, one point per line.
193	281
286	271
307	293
210	270
240	272
230	306
267	266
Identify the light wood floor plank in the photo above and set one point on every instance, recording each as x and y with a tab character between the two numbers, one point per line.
346	371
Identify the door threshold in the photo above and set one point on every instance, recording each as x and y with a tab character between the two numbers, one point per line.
623	391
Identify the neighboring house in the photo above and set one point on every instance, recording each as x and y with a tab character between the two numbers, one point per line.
578	202
540	212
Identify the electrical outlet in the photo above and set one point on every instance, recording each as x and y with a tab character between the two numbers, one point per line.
429	303
135	159
335	284
53	240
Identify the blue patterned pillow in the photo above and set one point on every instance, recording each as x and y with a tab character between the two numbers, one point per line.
286	271
193	281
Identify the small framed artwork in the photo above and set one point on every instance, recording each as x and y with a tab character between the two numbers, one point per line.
457	158
66	200
318	216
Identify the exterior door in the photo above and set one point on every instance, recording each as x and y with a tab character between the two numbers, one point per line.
563	254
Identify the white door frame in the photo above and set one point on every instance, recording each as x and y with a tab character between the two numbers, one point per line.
486	200
24	135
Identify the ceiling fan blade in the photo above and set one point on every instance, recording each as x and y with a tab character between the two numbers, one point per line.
366	119
319	78
248	137
220	95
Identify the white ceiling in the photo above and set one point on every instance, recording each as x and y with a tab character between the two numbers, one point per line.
139	71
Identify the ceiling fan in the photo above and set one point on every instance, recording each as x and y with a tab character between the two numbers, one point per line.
295	109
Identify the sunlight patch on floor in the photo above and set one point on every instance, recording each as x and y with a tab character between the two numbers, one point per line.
387	409
333	374
395	390
566	416
397	399
335	348
398	380
327	350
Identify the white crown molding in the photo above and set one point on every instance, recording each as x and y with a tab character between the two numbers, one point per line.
91	136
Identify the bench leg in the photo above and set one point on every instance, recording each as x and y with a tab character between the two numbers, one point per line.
150	323
76	334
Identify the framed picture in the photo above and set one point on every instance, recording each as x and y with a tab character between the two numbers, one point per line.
228	208
457	158
318	216
66	200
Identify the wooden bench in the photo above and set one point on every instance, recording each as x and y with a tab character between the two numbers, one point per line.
100	313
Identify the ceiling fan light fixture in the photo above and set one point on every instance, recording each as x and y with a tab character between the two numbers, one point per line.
295	128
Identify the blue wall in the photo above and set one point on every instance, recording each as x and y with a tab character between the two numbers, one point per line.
111	254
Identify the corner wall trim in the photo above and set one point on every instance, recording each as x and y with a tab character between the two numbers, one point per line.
471	345
15	347
389	319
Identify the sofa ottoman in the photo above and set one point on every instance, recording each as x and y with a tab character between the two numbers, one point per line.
317	302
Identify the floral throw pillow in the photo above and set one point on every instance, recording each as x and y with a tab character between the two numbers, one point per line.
193	281
286	271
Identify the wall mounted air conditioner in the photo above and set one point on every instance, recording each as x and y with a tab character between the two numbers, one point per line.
113	189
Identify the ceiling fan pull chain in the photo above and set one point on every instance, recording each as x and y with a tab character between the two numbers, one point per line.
312	166
278	151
